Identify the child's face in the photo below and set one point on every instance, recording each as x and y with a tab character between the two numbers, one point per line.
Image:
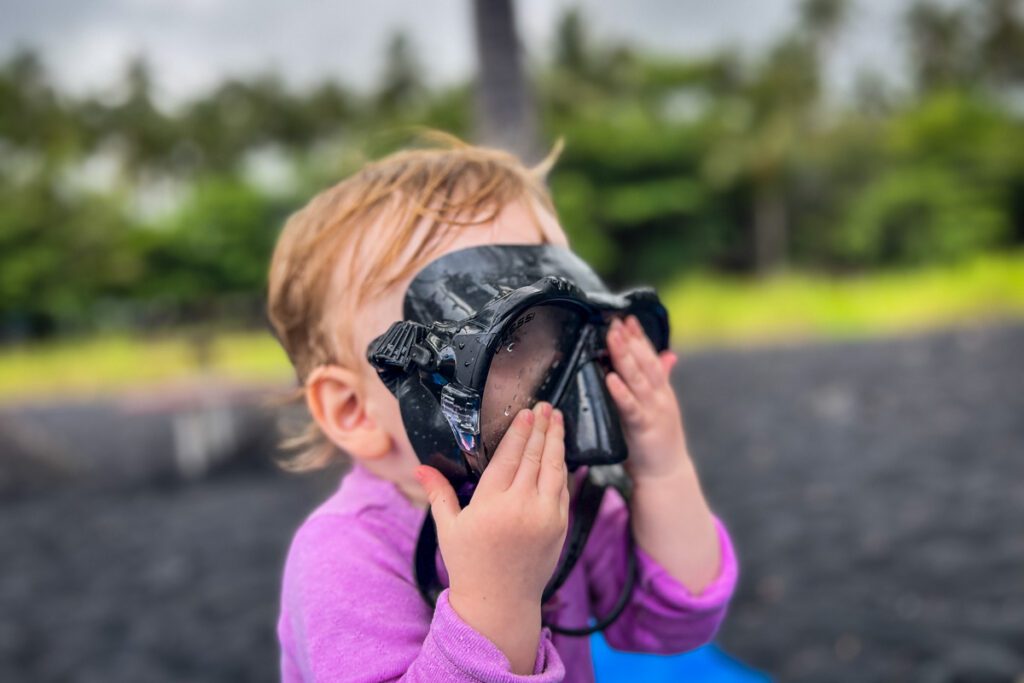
514	225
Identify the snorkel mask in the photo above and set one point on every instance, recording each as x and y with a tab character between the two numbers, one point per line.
488	331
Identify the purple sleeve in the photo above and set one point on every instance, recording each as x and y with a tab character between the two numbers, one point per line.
455	651
663	616
350	612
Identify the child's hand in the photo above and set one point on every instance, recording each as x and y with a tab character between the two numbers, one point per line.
502	548
647	404
670	518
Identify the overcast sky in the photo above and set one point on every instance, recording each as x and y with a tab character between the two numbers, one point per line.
193	44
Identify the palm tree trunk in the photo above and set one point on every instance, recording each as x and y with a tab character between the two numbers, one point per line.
506	117
770	227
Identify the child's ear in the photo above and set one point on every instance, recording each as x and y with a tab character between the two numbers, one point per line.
338	404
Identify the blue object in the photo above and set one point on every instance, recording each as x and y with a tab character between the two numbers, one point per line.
706	664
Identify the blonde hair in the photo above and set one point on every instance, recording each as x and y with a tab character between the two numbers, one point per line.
441	185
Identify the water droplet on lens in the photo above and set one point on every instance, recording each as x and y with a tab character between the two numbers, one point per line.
466	363
509	348
462	345
508	410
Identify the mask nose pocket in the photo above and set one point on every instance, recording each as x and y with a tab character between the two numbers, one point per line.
592	427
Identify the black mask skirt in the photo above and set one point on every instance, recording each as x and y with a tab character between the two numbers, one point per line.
490	330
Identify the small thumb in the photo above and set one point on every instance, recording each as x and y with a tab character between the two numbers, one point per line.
444	504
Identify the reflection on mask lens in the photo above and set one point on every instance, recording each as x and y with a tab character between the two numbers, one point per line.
525	366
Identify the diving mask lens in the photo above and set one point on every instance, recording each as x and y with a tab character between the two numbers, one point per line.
527	365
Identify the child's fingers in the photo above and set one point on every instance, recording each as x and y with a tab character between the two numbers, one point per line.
668	361
444	504
633	323
552	469
629	406
644	353
564	499
623	360
501	470
529	466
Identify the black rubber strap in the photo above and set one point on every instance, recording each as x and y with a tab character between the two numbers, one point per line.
601	484
587	505
426	569
620	604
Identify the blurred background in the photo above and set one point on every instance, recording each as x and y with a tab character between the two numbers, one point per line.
829	195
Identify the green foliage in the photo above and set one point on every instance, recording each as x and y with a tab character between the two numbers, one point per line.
58	253
116	212
219	241
947	190
919	216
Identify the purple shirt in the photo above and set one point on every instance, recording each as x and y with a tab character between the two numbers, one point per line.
350	609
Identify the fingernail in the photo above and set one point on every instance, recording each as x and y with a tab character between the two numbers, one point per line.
558	417
528	417
546	409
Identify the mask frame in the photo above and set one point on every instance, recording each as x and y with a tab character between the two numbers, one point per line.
439	371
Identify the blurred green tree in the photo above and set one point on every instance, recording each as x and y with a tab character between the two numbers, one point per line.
757	137
939	46
1001	43
401	84
115	205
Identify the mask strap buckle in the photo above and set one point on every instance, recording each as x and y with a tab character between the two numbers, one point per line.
399	349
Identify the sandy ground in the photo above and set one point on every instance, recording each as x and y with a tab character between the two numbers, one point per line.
875	492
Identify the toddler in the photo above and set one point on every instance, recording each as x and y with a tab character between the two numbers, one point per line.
351	608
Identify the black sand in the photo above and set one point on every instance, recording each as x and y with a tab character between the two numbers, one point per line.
875	492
